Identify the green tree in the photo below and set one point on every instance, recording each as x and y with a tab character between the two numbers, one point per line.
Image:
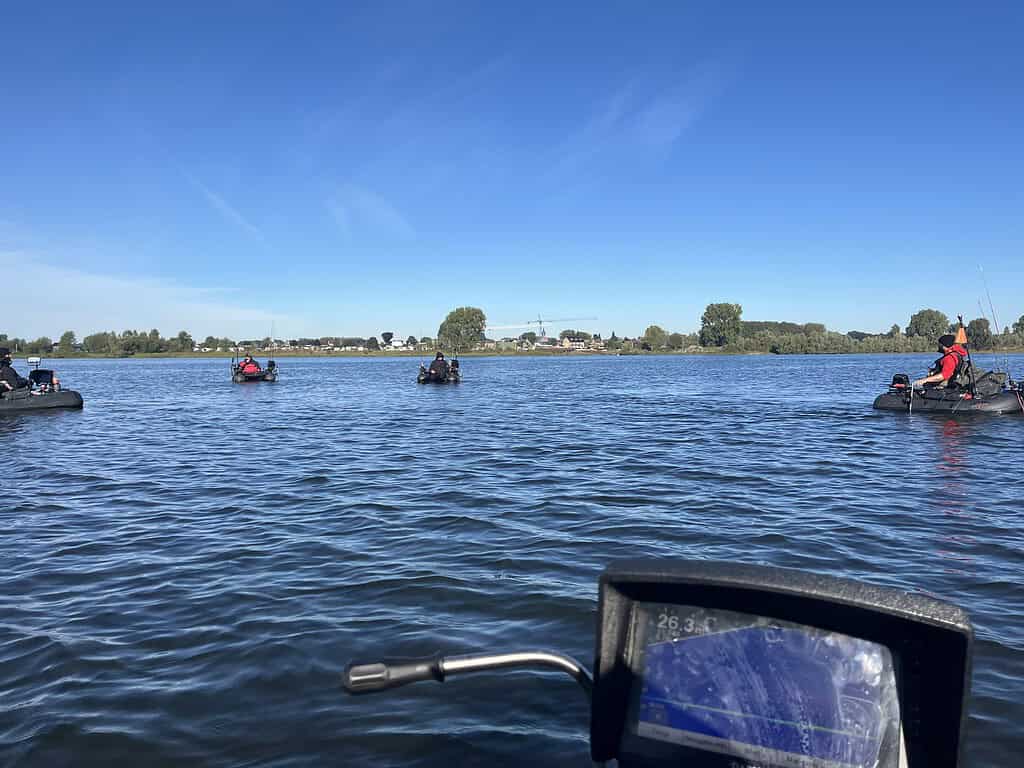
573	333
894	332
979	333
654	337
720	325
929	323
426	340
529	336
42	345
114	343
67	343
1018	327
676	341
462	329
387	336
372	344
95	342
411	341
183	342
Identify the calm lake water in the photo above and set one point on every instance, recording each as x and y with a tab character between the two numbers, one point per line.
188	564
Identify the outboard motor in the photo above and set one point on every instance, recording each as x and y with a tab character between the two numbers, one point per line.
900	383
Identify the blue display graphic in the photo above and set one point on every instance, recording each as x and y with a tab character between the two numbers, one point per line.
773	693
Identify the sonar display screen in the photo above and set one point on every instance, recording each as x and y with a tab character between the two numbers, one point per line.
768	692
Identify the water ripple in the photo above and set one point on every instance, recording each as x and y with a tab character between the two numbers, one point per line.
189	564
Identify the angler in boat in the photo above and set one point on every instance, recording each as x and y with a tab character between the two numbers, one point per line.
9	378
950	369
440	371
40	391
249	370
953	385
723	665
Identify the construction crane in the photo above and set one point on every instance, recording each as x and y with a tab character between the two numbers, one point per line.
540	322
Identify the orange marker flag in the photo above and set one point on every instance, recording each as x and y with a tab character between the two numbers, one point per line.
961	334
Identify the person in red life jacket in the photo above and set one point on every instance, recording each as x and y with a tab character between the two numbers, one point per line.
953	355
249	366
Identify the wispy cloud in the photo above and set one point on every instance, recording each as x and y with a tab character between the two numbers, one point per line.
639	116
357	211
87	302
225	209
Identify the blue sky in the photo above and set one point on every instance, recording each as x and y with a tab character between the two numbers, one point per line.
347	168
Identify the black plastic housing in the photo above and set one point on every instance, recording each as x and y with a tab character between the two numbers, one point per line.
931	643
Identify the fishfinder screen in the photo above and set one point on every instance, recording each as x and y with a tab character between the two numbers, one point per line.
768	692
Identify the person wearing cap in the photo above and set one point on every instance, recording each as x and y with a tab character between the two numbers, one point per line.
439	367
953	356
9	378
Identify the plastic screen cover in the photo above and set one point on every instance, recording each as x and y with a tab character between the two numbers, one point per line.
769	692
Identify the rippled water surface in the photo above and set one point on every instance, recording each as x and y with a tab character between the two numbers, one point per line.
188	564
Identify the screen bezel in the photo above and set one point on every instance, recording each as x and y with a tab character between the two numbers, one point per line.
930	642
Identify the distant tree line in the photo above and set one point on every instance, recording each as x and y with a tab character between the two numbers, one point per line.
131	342
127	342
722	327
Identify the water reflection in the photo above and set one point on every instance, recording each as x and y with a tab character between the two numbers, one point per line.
953	498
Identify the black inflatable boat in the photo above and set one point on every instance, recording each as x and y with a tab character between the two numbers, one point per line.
991	395
264	374
453	376
26	399
39	392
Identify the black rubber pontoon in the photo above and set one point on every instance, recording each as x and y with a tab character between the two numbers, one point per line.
986	399
25	399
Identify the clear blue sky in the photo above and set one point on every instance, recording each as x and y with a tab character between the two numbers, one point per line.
349	168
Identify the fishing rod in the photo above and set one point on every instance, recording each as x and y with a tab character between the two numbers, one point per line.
995	322
995	356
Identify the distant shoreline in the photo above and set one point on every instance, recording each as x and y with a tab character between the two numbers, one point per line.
478	353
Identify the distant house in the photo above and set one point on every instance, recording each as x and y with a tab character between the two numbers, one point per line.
576	343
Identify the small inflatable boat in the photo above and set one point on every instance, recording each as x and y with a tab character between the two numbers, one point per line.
454	375
991	395
263	374
27	399
41	392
